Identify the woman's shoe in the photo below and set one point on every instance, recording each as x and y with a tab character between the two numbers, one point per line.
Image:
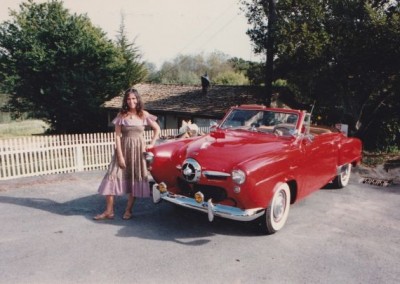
127	215
104	216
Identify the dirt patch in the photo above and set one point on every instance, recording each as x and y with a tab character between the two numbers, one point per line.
388	170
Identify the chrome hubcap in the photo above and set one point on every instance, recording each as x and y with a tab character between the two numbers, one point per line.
345	174
279	206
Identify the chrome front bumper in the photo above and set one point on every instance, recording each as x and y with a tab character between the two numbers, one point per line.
208	207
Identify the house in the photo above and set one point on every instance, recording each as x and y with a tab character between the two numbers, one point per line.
174	103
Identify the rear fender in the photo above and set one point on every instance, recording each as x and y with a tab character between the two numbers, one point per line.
349	151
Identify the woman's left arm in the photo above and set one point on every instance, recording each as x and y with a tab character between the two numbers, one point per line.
156	133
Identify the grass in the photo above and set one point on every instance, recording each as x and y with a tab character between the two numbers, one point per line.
372	159
23	128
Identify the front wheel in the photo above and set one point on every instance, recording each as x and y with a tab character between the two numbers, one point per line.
277	212
342	179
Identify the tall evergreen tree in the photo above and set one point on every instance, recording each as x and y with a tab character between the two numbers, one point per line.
134	70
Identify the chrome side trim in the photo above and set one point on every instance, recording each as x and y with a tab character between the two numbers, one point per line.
216	174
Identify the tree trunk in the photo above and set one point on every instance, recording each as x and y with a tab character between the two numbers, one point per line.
270	11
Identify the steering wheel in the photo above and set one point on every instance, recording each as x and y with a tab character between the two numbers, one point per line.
281	130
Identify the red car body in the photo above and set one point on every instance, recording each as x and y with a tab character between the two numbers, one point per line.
253	165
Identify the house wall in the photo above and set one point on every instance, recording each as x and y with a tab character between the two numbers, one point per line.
204	122
171	121
165	121
175	121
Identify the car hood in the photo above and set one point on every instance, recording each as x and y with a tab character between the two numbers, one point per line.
231	148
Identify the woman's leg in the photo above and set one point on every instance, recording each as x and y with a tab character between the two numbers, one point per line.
129	206
109	212
110	204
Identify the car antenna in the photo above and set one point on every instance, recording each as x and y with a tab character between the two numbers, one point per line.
312	107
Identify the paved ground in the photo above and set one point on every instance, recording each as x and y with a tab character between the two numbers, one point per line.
47	235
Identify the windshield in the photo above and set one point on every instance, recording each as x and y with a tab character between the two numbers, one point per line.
261	120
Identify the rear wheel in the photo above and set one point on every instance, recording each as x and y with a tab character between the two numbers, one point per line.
277	212
342	179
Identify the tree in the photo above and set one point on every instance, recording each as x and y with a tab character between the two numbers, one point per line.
134	70
349	58
60	68
262	16
342	54
253	71
153	76
230	78
188	69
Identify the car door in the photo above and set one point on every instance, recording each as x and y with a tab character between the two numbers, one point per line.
318	162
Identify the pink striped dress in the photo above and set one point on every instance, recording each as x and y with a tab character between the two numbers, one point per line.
134	178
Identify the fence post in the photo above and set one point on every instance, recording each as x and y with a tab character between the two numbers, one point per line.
79	154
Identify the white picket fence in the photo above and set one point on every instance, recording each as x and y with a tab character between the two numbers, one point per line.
41	155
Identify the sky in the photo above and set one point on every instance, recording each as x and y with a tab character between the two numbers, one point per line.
163	29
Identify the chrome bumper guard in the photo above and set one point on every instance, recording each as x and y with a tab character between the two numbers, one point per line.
208	207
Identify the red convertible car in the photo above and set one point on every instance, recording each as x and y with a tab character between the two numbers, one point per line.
253	165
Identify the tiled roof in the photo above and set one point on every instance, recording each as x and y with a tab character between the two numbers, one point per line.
190	99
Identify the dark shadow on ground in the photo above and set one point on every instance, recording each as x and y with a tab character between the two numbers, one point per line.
163	222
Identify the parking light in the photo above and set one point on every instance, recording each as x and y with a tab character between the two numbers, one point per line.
199	197
162	187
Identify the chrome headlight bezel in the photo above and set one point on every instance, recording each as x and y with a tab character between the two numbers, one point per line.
238	176
149	157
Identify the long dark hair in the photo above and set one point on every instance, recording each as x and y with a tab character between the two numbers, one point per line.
139	105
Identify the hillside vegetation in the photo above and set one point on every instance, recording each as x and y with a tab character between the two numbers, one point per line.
23	128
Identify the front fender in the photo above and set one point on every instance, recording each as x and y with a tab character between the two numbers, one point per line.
262	181
167	157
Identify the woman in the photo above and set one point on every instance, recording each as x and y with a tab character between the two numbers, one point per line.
127	172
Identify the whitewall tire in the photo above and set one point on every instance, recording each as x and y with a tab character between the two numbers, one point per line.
277	212
342	179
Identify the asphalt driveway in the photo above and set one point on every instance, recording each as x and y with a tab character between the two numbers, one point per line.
47	235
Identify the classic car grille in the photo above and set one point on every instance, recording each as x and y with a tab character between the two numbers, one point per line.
188	189
215	177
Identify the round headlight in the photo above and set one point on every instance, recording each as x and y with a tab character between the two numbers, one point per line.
238	176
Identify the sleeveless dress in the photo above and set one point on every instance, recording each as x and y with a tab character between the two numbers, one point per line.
134	178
